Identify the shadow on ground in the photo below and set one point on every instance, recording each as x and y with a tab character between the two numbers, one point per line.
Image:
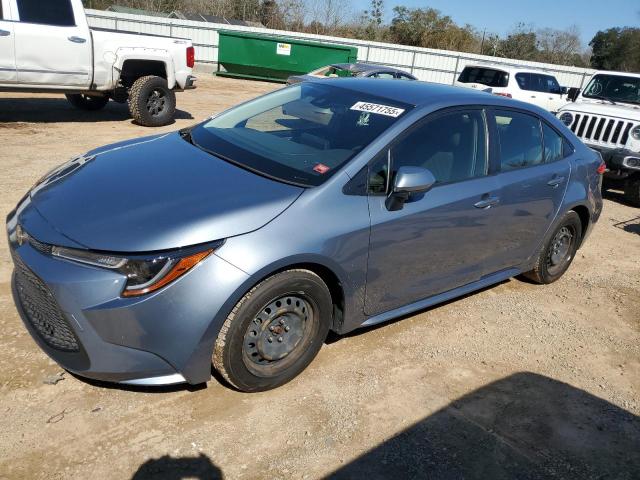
523	427
169	468
54	110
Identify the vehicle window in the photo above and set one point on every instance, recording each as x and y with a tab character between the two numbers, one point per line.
52	12
520	140
567	148
552	85
404	76
486	76
383	75
523	81
1	15
615	88
553	144
300	134
452	146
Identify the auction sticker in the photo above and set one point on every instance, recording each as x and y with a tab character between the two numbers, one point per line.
378	109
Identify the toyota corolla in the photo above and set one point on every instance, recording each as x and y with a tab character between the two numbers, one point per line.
239	243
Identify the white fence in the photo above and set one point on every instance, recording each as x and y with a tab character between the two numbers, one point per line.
439	66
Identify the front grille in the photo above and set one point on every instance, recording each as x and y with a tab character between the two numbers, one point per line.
42	310
605	131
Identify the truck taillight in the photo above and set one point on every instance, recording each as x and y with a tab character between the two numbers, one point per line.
191	57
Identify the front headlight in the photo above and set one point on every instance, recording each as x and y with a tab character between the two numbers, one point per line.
566	118
635	132
144	274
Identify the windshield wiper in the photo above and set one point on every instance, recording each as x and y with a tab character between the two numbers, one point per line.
600	97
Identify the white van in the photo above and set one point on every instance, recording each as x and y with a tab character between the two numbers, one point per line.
532	86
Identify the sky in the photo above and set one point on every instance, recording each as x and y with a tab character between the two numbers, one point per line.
500	16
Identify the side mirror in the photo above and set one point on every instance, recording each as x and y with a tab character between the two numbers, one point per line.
572	94
408	181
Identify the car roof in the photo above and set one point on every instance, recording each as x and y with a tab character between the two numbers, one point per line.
512	69
420	93
621	74
365	67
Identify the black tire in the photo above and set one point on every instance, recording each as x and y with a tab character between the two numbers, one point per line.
555	258
632	191
87	102
254	357
151	102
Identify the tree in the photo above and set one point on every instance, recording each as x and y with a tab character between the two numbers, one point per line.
616	49
521	43
559	46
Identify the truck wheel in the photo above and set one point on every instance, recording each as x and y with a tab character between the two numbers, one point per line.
632	191
557	253
151	102
87	102
274	331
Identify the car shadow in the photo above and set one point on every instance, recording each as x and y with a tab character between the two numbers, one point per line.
54	110
631	226
616	196
525	426
170	468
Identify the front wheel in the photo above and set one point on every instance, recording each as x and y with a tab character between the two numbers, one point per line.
632	191
87	102
151	102
274	331
558	252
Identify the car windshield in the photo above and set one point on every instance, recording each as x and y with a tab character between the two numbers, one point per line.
300	134
615	88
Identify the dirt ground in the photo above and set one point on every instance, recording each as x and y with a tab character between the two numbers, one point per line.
516	381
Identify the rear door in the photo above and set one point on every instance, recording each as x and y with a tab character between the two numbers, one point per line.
53	47
555	99
7	43
534	173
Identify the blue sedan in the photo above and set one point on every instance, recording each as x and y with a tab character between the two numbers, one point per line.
242	241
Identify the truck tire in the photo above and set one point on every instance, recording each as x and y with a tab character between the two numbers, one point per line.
87	102
632	191
151	102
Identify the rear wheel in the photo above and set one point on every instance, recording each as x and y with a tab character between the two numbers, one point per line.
87	102
151	102
274	331
632	191
558	252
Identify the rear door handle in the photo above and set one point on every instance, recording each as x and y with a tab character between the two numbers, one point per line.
487	202
77	39
4	33
555	182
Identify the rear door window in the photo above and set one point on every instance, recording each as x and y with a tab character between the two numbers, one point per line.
520	139
553	144
486	76
51	12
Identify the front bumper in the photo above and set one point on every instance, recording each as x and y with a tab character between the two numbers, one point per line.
158	339
617	160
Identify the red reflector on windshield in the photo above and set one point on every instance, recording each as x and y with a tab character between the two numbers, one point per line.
602	168
191	57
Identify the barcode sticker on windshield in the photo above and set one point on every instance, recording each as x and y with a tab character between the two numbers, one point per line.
378	109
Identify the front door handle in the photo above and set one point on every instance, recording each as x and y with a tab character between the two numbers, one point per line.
486	203
77	39
555	182
4	33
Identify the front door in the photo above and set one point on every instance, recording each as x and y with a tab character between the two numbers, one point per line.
534	173
52	47
7	40
441	239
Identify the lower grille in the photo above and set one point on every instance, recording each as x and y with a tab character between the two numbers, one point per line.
42	310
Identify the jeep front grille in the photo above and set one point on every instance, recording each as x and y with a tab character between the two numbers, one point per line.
604	131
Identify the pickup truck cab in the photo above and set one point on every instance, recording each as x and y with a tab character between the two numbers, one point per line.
606	117
49	47
532	86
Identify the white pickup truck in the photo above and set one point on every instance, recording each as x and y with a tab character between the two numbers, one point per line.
47	46
606	117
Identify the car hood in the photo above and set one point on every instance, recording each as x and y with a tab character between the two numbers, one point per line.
156	193
624	111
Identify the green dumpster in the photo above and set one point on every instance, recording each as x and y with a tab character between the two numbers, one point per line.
266	57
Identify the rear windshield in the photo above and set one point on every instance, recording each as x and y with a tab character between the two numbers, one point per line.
301	134
485	76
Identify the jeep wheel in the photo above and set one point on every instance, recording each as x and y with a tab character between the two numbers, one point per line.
557	253
274	331
151	102
87	102
632	191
